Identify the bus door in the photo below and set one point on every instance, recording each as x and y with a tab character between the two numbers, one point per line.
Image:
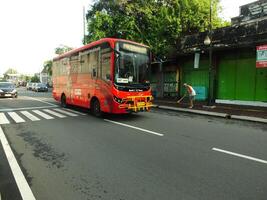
75	91
95	72
101	73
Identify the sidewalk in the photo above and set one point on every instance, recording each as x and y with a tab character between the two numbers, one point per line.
249	113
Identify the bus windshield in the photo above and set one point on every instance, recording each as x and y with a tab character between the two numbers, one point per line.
132	64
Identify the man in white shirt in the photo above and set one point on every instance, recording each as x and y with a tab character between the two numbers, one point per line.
191	94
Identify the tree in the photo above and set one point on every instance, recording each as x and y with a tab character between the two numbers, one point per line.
157	23
47	67
10	71
62	49
35	79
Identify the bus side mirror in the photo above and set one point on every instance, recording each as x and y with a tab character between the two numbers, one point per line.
94	72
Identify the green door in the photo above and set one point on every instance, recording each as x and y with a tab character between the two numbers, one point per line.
195	77
239	79
227	79
245	79
261	85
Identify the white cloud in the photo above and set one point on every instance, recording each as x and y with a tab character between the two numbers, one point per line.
31	29
231	7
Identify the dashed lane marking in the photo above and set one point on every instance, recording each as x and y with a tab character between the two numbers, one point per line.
134	127
240	155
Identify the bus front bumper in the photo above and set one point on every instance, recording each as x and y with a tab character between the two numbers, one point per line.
136	103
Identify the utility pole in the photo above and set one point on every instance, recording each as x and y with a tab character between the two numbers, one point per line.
83	25
208	42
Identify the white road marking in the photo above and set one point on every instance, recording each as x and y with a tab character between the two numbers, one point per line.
41	101
3	119
240	155
16	117
134	127
74	111
54	113
30	116
65	112
22	184
26	108
42	114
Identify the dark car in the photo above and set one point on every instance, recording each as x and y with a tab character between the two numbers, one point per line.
40	87
8	90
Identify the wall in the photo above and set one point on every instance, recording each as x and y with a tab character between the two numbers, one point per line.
198	78
238	77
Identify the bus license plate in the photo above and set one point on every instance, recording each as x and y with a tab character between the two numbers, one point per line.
141	104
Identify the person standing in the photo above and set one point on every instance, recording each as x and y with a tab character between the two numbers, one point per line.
191	93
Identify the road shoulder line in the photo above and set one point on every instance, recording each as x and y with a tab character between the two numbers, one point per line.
20	179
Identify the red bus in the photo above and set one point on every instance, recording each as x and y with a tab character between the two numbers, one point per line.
109	75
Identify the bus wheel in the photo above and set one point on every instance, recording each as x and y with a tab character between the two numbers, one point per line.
96	108
63	101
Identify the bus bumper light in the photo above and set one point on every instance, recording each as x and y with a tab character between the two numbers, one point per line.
136	103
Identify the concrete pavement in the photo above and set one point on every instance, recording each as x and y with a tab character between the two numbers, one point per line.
229	112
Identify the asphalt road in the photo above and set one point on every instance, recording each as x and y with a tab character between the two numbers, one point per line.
158	155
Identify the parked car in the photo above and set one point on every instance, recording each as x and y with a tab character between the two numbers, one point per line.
8	89
40	87
34	86
29	86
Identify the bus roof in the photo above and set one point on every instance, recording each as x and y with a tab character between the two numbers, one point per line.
74	51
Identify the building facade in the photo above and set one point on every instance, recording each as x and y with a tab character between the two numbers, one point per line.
236	72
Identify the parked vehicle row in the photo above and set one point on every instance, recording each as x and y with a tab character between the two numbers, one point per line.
37	87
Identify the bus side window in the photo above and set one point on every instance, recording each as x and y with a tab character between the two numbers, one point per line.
93	63
105	61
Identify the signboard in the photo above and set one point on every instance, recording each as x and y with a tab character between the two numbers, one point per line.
261	56
196	61
134	48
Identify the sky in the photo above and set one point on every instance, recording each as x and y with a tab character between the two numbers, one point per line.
32	29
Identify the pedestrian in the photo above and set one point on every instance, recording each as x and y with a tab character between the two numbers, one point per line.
191	93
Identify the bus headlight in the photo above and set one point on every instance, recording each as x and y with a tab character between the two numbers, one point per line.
118	100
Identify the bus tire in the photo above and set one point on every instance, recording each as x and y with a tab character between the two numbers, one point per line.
63	101
95	108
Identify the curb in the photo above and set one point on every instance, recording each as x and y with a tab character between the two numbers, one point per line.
214	114
246	118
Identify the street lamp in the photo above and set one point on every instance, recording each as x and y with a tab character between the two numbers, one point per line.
208	42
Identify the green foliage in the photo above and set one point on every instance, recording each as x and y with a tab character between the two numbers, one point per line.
47	67
24	78
10	71
157	23
62	49
35	79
